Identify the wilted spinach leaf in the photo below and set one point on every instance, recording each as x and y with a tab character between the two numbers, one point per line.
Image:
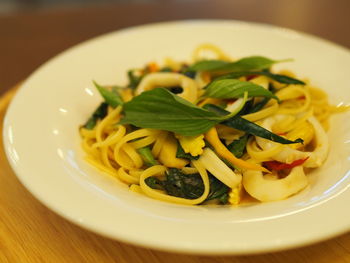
134	80
98	114
189	186
237	147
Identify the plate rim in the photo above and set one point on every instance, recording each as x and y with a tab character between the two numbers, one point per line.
126	240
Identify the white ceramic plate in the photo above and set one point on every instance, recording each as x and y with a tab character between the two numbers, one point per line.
43	145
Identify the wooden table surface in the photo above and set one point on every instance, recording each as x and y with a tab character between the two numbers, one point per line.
29	232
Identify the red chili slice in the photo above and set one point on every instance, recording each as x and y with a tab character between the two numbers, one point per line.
249	77
277	166
281	133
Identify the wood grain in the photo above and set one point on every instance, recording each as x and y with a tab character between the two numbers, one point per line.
29	232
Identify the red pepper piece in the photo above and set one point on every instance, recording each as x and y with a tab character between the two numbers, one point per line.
249	77
282	133
277	166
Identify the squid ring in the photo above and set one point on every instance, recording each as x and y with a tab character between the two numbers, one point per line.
287	155
166	79
265	189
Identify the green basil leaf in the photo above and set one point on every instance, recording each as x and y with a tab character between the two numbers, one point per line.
215	109
154	182
249	63
244	64
147	156
241	124
258	106
134	80
166	69
207	65
277	77
237	147
160	109
250	127
218	190
110	96
98	114
249	104
283	79
234	88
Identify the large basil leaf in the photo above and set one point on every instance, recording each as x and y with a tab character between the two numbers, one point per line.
244	64
277	77
207	65
234	88
160	109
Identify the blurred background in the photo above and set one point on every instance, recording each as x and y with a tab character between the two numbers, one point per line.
7	6
32	31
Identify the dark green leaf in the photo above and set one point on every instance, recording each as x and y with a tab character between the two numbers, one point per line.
218	190
134	80
251	107
234	88
154	183
178	184
180	153
277	77
249	63
98	114
244	64
272	88
189	186
166	69
283	79
258	106
224	198
176	89
185	70
215	109
208	65
237	147
241	124
249	104
110	96
160	109
190	74
147	156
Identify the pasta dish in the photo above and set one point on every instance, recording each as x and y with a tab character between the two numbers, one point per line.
214	130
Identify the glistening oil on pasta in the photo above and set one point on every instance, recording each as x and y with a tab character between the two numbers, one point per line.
210	131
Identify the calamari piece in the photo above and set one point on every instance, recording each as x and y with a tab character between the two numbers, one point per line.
266	189
288	155
219	169
168	79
